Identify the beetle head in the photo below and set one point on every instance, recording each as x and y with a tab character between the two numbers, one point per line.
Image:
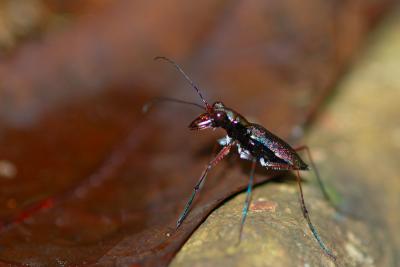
214	117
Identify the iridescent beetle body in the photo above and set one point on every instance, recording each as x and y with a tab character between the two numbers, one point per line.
254	143
252	140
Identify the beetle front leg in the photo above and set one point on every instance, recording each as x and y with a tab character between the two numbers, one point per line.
221	154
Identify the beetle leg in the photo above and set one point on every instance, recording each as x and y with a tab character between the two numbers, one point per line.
287	167
314	167
326	250
248	198
221	154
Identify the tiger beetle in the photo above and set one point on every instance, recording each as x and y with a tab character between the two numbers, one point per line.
253	143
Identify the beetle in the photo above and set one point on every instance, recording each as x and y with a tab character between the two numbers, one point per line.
253	142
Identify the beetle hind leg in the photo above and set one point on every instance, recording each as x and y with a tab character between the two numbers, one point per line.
317	175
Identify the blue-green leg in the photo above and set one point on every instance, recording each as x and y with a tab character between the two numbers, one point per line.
326	250
221	154
248	198
316	172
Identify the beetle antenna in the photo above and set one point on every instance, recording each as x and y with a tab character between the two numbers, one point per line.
186	77
149	104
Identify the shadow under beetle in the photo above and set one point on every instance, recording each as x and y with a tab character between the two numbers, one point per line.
253	143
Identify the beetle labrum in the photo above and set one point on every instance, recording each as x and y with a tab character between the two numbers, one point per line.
253	143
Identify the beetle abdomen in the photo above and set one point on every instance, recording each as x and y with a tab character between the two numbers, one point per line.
272	148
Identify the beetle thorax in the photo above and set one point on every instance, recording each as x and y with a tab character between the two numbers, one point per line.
231	121
228	117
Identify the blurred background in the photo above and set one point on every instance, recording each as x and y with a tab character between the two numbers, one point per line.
87	179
